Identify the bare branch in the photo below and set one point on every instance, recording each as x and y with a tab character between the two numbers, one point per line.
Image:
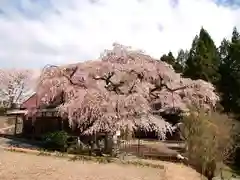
131	90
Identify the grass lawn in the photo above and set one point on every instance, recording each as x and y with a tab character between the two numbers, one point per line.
20	166
229	173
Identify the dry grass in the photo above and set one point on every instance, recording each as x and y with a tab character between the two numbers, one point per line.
175	171
23	167
154	149
160	146
19	166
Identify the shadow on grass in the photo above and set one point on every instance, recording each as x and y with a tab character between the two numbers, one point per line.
18	141
142	151
234	170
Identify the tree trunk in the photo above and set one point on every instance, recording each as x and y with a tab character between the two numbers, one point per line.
108	144
15	128
210	178
210	170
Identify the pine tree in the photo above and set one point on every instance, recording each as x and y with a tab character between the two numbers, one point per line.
170	59
229	84
203	59
182	58
226	81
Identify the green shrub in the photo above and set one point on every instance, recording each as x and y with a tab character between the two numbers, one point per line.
237	149
56	140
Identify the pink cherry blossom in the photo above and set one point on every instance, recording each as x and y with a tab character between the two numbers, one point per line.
121	90
15	85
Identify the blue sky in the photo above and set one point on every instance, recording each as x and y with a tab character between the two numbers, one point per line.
38	32
229	3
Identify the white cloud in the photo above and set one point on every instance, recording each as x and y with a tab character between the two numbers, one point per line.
77	30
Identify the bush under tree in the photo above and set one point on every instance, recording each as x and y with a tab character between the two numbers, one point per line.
56	140
209	140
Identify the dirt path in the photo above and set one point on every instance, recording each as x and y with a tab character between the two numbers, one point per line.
20	166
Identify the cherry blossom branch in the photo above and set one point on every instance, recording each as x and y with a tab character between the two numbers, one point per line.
139	75
131	90
20	93
159	87
115	86
109	84
69	77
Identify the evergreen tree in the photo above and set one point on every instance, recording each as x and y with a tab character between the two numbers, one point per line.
203	59
182	58
229	84
170	59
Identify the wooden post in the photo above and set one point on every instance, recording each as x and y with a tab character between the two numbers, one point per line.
15	128
62	125
138	144
138	147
